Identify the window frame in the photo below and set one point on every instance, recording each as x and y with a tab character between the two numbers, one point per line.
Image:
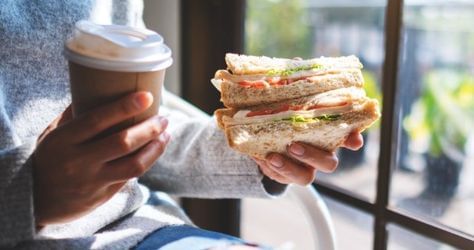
195	76
381	210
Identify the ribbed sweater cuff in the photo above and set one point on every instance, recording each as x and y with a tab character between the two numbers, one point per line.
16	195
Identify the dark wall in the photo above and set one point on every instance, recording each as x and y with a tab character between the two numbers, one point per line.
209	29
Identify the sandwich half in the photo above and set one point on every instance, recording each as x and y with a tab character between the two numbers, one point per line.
255	80
323	120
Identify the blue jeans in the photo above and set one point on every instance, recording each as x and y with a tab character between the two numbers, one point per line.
187	237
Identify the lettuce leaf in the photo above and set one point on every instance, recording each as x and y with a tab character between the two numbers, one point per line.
298	119
287	72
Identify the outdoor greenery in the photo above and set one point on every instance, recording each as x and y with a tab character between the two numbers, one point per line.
443	116
372	89
277	28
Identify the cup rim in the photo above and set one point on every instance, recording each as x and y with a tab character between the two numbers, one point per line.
163	62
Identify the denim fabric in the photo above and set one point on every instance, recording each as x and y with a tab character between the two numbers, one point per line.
186	237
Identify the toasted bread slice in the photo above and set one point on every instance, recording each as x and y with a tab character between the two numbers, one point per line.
252	65
259	139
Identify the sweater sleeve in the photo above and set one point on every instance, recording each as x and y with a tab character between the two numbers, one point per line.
198	163
16	199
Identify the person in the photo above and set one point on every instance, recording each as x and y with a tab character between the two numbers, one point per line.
62	188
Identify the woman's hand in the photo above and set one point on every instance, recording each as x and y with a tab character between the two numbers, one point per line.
75	173
304	162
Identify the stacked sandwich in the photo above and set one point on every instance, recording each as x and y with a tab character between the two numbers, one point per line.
272	102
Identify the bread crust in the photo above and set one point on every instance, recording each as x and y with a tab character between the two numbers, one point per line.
220	113
235	96
246	65
260	139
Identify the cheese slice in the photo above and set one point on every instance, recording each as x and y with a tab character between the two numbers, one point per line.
240	119
332	102
226	75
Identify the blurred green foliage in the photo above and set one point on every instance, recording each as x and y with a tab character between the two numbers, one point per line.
372	90
444	113
277	28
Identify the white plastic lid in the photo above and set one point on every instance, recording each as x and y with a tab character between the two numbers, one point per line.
117	48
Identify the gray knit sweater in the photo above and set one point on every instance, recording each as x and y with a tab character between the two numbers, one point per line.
34	90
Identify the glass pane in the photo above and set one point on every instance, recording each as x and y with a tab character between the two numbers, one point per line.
402	239
354	229
436	151
310	28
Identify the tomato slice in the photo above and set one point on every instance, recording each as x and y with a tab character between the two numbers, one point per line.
283	108
274	81
245	84
252	84
260	112
283	82
296	108
277	81
290	81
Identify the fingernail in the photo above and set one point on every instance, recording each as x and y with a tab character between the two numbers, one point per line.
164	137
162	121
297	149
142	101
276	161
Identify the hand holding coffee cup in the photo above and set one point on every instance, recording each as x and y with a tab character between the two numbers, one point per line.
112	133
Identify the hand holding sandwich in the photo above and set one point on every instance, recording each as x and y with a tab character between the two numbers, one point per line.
305	161
290	115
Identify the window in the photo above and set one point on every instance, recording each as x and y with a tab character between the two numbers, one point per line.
414	174
325	28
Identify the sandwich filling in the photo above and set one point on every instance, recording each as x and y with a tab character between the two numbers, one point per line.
327	106
280	72
267	81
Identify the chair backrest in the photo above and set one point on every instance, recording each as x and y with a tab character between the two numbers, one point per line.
317	214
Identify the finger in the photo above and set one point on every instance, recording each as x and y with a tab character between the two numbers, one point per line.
126	141
66	116
314	157
267	171
354	141
295	173
58	121
92	123
136	164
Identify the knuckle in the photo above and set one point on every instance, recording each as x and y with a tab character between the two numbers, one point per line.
267	172
285	170
94	122
125	107
69	168
155	130
123	141
333	161
160	148
308	178
138	168
52	138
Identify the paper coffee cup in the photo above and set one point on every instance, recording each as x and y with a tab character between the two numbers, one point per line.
107	62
